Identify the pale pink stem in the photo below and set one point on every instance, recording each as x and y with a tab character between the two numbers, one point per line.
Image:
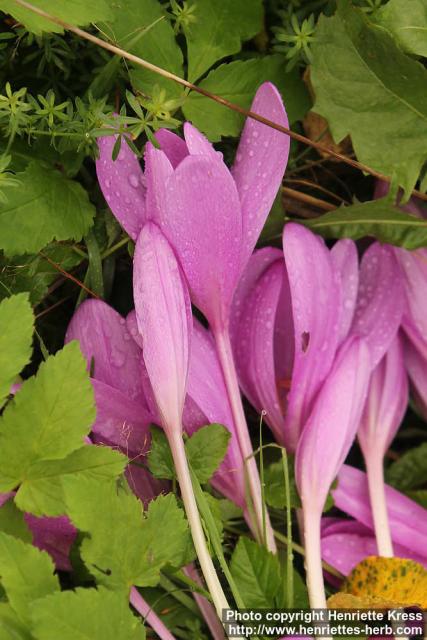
225	354
145	610
208	612
313	556
375	473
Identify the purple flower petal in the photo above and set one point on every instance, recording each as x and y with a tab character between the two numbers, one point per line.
103	337
132	327
344	258
203	224
261	160
158	170
122	183
408	520
332	425
198	144
380	301
386	402
54	535
316	303
173	146
144	485
414	269
163	313
416	366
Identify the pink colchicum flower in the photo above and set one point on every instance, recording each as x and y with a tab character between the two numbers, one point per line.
385	407
163	314
347	542
212	217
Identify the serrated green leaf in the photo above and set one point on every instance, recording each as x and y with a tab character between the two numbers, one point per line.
410	470
256	572
46	206
86	614
125	547
301	600
206	449
16	331
76	12
377	218
274	481
160	461
26	574
12	522
141	27
406	20
11	627
42	490
238	82
48	418
367	87
219	31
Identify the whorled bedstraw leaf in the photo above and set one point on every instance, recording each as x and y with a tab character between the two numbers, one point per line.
219	30
378	218
367	87
76	12
237	82
406	20
48	417
26	574
256	572
16	331
42	490
141	27
126	547
410	470
86	614
46	206
11	626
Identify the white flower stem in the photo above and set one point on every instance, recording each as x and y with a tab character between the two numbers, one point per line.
183	474
375	472
225	354
313	557
145	610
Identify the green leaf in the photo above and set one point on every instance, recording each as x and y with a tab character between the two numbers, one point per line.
300	591
256	572
124	547
45	206
11	627
367	87
219	31
410	470
274	481
238	82
12	522
406	20
16	331
48	418
419	496
141	27
42	490
160	461
26	574
206	449
76	12
86	614
378	218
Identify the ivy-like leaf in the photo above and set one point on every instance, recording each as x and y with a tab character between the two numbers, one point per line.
11	626
16	330
77	12
238	82
125	547
367	87
406	20
48	418
46	206
256	572
274	481
13	523
160	461
141	27
410	470
378	218
206	449
86	614
26	574
220	28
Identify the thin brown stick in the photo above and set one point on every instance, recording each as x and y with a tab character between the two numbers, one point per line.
307	199
51	308
234	107
68	275
317	187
